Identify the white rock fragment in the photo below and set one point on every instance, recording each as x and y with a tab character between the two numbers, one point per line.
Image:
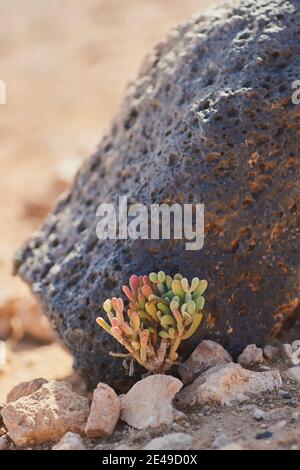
296	416
105	412
46	415
291	353
293	374
207	354
228	383
70	441
296	344
271	352
173	441
259	414
295	358
252	356
286	351
149	402
178	415
220	441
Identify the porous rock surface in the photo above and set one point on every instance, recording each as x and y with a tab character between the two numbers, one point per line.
209	119
25	388
46	415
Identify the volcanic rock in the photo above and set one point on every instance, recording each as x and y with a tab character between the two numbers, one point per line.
210	119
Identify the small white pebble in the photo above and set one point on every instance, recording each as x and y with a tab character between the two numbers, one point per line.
259	414
296	343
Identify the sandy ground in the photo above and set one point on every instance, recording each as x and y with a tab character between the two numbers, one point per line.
65	64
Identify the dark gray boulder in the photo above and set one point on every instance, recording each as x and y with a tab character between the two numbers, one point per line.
209	119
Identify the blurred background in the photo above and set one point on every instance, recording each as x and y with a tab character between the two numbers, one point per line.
65	64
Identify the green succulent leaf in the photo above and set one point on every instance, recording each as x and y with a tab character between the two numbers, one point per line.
197	318
153	277
167	320
200	303
163	308
161	277
191	307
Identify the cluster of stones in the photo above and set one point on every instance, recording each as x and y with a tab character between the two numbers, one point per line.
39	412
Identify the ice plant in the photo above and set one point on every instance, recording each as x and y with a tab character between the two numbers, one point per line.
162	312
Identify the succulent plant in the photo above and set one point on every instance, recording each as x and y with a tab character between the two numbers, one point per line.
163	311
